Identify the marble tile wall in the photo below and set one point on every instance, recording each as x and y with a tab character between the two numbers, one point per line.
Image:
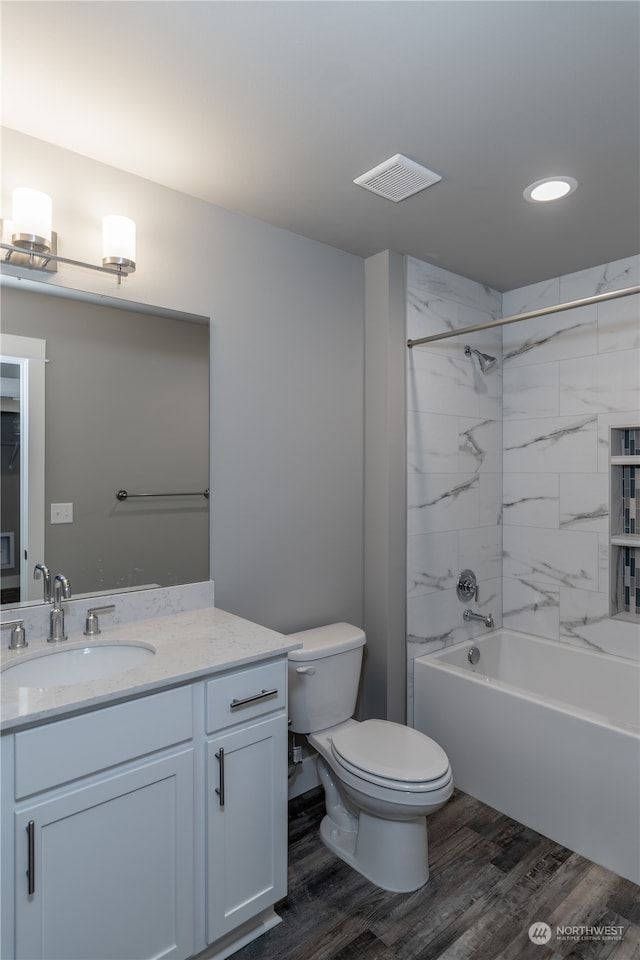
454	460
508	472
567	378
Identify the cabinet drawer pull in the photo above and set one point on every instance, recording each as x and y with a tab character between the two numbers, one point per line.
220	789
31	858
256	696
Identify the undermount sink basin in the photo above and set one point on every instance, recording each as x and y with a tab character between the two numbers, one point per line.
75	665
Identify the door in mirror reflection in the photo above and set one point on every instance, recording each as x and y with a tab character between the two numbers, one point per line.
22	366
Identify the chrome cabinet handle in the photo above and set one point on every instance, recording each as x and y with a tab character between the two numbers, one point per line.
256	696
220	789
31	858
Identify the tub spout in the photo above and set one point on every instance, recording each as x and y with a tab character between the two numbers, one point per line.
470	615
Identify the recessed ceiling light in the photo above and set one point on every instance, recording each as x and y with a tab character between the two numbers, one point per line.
551	188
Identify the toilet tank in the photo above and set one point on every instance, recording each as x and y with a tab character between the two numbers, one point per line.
324	676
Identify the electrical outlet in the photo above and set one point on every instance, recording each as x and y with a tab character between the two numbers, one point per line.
61	513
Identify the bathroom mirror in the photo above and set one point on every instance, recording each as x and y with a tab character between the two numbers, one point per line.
125	407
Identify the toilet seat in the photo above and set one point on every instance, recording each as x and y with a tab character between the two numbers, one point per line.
391	755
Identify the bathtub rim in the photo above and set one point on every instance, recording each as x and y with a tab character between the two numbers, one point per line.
434	660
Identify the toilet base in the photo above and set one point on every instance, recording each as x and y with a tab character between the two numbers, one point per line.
392	854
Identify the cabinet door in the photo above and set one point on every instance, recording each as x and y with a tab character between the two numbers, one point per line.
111	868
246	824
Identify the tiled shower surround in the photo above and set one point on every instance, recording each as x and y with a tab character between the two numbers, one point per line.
625	523
630	581
630	503
508	471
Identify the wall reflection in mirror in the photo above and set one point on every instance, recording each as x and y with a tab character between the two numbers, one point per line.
124	405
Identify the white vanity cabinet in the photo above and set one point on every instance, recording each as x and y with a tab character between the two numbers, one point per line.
149	829
104	839
246	807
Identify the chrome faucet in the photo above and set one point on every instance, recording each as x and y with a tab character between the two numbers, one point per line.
470	615
18	635
41	569
92	627
61	590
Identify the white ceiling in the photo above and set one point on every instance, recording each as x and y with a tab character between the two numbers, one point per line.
273	108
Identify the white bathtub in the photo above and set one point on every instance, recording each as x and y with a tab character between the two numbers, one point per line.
547	733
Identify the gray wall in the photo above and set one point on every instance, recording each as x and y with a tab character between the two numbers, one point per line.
287	369
383	693
287	402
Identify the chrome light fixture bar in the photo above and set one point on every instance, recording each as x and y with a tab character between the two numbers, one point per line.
37	260
34	242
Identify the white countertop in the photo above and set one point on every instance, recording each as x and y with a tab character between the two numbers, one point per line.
188	646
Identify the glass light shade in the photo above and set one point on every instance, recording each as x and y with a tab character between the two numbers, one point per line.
552	188
119	242
32	219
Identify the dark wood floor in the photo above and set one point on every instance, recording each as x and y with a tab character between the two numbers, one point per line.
491	879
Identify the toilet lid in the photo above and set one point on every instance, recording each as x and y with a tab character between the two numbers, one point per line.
390	751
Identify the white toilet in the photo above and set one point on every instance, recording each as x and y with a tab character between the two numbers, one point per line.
381	780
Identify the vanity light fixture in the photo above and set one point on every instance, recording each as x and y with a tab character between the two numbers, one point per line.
119	243
551	188
32	216
33	242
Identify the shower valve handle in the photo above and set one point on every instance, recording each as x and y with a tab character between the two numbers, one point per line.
467	586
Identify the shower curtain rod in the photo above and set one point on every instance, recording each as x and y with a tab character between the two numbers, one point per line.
542	312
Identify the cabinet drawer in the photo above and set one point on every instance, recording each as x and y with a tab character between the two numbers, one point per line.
245	694
65	750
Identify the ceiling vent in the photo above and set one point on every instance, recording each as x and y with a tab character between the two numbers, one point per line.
397	178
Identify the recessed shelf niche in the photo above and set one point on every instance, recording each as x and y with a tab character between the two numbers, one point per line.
624	523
